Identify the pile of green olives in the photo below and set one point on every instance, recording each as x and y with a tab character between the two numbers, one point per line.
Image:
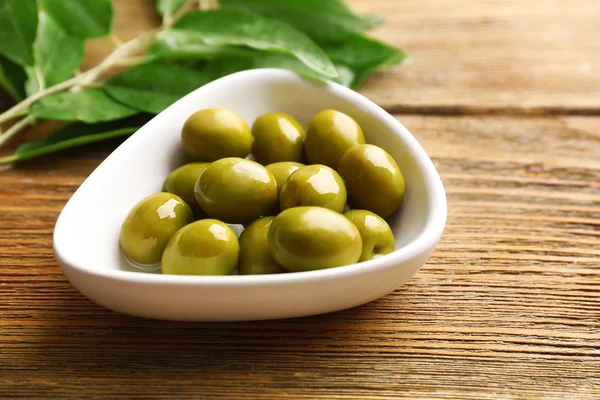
308	199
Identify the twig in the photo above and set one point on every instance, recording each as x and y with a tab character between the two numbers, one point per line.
21	114
125	55
17	127
7	160
23	106
132	61
126	50
115	39
187	6
209	4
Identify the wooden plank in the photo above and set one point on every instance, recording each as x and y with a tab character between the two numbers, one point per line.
488	56
506	308
510	56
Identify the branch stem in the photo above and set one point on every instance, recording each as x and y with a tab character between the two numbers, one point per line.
126	50
132	61
8	159
126	54
187	6
16	128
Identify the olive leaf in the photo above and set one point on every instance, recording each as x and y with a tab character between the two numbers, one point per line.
346	76
166	8
320	19
318	39
180	47
88	105
153	87
229	26
362	56
372	20
18	24
230	63
77	134
12	78
81	18
56	55
285	61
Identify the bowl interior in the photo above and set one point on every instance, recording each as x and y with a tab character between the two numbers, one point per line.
87	232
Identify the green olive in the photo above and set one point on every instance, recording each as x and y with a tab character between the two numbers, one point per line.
205	247
282	171
311	238
277	137
215	133
182	181
373	179
328	135
314	185
255	254
236	190
150	225
376	234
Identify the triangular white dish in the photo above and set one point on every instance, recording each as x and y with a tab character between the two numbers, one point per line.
86	236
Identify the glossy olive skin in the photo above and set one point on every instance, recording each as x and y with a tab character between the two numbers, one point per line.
215	133
151	224
277	137
236	190
376	234
282	171
182	181
312	238
328	135
255	254
373	179
205	247
314	185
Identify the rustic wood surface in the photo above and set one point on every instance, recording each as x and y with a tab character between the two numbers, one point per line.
508	307
500	56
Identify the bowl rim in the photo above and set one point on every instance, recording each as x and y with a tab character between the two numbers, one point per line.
425	241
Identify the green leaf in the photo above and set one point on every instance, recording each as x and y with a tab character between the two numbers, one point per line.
12	78
88	105
320	19
81	18
18	23
372	20
363	56
153	87
346	76
285	61
34	81
229	64
78	134
166	8
233	27
56	55
177	45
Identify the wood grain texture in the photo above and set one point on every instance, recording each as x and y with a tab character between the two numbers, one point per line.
511	56
508	306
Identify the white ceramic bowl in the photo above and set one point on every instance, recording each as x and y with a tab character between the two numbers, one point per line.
86	236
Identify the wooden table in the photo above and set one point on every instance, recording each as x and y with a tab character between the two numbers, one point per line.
505	97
